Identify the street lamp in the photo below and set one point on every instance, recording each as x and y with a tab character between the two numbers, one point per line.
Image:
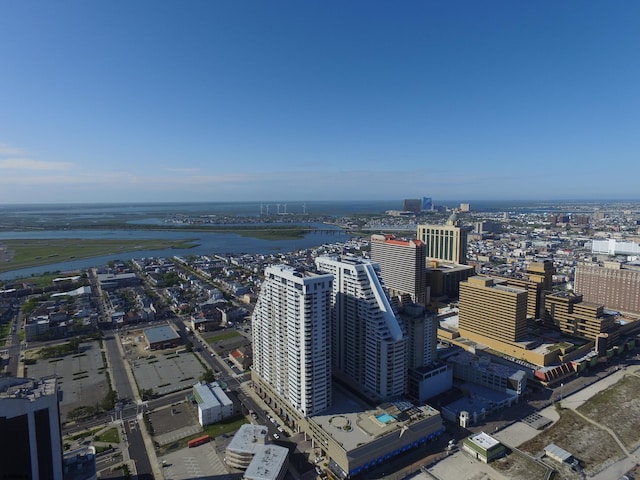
561	385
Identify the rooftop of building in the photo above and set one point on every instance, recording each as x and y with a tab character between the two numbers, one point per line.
27	388
484	364
115	276
160	334
210	395
80	464
541	342
484	440
448	267
248	439
478	399
392	240
352	423
267	463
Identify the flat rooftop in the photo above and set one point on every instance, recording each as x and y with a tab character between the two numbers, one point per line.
160	334
480	398
484	440
27	388
248	439
352	423
267	463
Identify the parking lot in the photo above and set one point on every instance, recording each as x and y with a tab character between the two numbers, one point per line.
162	371
81	377
198	462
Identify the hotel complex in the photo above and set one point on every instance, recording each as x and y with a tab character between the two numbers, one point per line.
614	285
402	265
489	309
447	243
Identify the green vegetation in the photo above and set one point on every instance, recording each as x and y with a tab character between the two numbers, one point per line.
625	417
518	466
5	328
30	253
103	448
229	425
270	233
208	376
146	394
593	445
108	436
30	305
226	426
223	336
83	411
109	400
171	279
84	434
60	350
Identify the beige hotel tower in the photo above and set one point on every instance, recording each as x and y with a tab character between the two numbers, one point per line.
446	243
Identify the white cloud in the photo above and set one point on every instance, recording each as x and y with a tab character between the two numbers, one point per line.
182	170
29	164
6	149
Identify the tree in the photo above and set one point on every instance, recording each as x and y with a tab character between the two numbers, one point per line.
109	400
208	376
146	393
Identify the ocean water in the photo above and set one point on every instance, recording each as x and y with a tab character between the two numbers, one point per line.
59	220
102	211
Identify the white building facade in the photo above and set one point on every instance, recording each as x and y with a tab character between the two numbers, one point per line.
368	339
291	337
214	404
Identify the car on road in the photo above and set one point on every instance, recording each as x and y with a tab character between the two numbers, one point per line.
280	429
276	436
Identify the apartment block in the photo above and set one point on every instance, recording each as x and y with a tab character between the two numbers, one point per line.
368	339
292	338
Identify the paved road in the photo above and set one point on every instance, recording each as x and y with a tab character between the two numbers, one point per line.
137	450
12	344
120	380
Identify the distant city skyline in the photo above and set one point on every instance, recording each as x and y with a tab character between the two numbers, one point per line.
157	101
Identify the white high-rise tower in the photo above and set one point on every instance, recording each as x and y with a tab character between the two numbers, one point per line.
291	338
368	339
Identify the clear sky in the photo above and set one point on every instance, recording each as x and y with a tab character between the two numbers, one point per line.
206	100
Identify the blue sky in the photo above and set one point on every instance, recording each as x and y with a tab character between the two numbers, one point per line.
203	100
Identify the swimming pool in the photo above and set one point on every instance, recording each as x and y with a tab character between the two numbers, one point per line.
384	418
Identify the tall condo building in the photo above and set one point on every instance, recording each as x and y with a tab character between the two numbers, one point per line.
422	336
292	338
368	340
402	265
489	309
447	243
30	438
